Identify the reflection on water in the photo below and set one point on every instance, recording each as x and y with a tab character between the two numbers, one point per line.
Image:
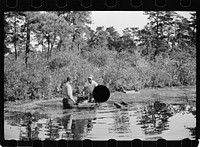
143	121
121	122
154	118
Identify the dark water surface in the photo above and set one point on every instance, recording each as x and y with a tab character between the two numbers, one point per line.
146	121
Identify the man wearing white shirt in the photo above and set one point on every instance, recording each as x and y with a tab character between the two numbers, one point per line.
89	87
68	99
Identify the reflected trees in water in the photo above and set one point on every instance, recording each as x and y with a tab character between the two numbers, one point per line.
121	123
152	118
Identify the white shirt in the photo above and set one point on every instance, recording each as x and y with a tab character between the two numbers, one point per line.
90	86
67	90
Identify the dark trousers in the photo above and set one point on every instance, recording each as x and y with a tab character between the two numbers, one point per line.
91	98
68	103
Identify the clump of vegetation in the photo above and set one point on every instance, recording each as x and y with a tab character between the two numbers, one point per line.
154	56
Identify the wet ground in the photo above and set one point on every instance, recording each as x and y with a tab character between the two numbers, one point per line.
151	114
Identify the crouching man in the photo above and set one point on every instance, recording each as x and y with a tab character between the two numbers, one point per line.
89	87
67	91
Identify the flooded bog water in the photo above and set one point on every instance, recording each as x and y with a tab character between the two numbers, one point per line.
137	120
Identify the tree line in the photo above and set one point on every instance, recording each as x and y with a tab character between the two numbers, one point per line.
163	53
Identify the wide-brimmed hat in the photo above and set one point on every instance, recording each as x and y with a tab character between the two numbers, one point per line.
90	77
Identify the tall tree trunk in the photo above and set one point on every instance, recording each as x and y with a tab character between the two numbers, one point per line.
51	48
15	37
48	48
59	45
15	46
52	44
27	43
157	36
73	42
43	48
78	46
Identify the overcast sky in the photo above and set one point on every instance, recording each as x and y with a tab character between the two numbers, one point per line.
122	19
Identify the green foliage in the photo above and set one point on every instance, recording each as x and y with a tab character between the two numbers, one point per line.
161	54
56	63
42	79
25	82
98	57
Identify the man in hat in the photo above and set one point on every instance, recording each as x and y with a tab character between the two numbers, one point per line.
89	87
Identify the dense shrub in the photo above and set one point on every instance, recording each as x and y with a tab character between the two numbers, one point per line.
98	57
56	63
42	78
25	82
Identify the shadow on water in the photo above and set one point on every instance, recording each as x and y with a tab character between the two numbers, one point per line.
139	119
